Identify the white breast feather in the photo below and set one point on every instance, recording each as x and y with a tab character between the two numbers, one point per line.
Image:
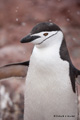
48	87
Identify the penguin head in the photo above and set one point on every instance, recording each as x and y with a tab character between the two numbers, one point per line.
44	34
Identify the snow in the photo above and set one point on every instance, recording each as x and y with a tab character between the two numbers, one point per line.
50	20
23	24
17	19
17	7
78	12
74	38
4	98
16	10
68	19
69	11
50	24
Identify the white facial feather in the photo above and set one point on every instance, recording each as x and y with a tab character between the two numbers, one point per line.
43	37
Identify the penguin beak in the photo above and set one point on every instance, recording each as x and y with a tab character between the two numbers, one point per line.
29	38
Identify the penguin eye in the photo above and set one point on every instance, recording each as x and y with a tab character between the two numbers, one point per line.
45	34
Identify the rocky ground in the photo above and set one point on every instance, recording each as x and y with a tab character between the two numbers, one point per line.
16	20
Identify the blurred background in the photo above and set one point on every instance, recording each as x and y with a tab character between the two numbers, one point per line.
17	18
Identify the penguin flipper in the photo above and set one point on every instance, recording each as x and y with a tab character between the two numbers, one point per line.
26	63
78	72
74	73
14	70
77	75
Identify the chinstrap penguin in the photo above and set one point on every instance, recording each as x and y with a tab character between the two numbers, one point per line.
50	91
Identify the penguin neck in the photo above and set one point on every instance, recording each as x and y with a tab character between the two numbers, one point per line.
47	55
49	50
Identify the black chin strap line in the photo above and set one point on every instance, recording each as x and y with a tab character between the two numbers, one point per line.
47	38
